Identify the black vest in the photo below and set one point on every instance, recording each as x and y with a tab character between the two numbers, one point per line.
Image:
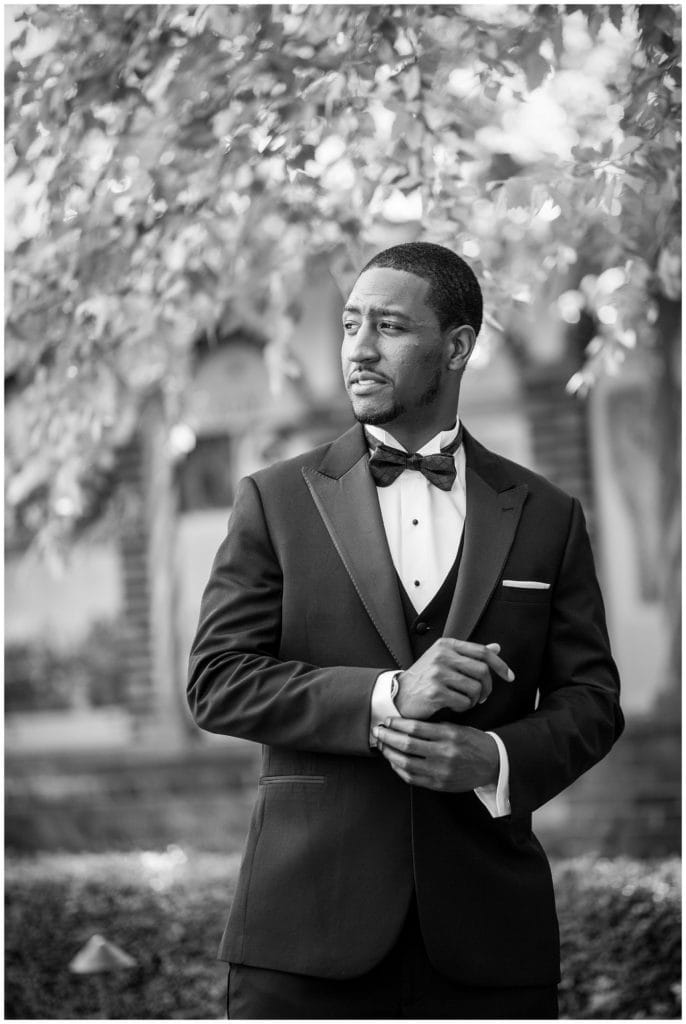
426	627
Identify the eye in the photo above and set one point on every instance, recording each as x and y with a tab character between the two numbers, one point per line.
389	326
350	326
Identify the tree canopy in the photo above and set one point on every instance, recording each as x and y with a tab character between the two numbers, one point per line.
173	170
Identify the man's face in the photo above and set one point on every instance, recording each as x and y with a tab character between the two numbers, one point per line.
394	353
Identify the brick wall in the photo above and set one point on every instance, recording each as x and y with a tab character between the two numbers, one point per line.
628	804
559	434
134	545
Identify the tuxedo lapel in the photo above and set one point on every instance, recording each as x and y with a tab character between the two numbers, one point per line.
345	496
494	507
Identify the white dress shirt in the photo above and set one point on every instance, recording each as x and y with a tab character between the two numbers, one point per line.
424	527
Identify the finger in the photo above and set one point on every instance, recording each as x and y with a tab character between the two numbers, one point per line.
415	779
485	653
471	677
432	731
459	697
413	776
406	769
404	742
396	759
498	665
402	774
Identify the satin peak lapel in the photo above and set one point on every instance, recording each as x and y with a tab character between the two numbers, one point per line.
345	495
494	507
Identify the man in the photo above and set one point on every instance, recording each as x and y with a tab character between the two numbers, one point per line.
417	638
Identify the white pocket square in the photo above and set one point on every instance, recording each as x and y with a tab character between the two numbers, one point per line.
526	584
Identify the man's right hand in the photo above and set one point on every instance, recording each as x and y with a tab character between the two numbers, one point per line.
453	674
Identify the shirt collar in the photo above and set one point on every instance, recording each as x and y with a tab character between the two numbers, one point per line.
432	447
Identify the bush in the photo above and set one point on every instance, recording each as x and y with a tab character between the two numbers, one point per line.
620	926
42	677
165	910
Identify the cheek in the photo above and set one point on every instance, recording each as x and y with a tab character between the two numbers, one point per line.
417	368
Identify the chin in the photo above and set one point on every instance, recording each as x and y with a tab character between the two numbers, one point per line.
374	412
376	417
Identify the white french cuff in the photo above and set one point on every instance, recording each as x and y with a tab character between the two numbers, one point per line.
526	584
496	797
382	706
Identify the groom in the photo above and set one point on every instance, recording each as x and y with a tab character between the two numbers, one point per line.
412	628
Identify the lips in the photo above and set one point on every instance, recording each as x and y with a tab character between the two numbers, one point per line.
366	382
366	377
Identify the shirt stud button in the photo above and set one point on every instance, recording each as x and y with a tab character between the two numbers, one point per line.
416	583
415	522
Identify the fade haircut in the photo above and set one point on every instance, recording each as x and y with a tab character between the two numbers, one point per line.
454	292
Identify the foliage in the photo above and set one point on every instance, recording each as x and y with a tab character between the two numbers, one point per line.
152	905
175	169
39	676
620	925
122	800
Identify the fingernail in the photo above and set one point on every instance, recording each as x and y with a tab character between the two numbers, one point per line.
387	723
375	731
483	700
510	675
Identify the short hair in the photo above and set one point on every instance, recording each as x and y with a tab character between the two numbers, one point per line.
454	292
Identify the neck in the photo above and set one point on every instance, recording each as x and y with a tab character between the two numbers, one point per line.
413	431
414	439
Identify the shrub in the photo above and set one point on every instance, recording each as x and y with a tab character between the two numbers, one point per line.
42	677
619	919
620	929
164	909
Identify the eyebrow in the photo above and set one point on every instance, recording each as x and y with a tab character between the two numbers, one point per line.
380	311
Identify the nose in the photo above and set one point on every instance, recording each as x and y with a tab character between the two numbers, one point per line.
361	347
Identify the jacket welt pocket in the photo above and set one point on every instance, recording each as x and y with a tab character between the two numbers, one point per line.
512	595
314	780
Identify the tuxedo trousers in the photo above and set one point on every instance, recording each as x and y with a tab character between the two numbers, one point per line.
404	985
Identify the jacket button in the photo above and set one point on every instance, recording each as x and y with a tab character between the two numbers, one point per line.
422	627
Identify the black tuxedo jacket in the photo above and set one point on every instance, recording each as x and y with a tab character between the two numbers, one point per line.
301	613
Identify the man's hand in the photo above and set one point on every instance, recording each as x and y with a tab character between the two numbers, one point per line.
453	674
439	755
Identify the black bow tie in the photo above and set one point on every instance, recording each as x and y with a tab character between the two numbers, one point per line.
386	464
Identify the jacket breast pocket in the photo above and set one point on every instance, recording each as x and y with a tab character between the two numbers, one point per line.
522	595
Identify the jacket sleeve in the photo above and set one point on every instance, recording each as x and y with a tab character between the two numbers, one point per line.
578	717
237	684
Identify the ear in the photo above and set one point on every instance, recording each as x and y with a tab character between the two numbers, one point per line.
461	344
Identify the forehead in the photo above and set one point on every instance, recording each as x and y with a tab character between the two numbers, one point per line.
386	288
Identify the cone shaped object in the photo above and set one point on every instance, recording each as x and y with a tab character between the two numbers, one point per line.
100	955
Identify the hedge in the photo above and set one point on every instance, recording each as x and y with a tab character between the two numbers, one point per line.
619	919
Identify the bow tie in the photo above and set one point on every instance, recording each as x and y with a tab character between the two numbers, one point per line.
386	464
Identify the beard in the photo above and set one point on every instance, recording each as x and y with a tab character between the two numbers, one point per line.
377	417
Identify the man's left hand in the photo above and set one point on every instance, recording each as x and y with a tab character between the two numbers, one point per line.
439	755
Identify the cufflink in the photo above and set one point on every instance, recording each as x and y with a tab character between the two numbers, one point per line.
395	686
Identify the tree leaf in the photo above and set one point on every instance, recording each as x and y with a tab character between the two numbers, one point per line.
616	14
536	69
412	82
629	145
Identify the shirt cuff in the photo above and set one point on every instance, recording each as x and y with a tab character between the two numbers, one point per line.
382	707
496	797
